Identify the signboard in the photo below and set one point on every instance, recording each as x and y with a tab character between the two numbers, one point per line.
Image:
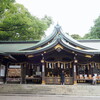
15	66
38	73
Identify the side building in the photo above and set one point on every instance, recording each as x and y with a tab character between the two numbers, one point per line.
41	62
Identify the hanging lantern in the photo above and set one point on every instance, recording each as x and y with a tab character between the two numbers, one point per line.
75	61
42	61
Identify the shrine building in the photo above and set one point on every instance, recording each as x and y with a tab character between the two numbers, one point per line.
41	62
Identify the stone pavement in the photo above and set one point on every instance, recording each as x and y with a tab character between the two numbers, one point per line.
70	90
49	97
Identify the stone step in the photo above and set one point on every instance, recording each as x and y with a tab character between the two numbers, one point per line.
50	89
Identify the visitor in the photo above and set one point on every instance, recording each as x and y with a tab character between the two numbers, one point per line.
62	77
94	81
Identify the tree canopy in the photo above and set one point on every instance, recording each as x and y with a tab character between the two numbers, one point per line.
5	5
16	23
76	36
94	31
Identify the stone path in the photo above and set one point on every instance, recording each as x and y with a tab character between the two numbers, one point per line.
49	97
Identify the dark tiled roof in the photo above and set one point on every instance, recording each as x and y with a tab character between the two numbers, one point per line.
91	40
57	37
17	42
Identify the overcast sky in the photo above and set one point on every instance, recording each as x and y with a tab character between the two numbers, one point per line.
74	16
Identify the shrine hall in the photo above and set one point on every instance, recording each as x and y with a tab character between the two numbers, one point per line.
41	62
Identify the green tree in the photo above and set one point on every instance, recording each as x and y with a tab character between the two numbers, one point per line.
95	30
76	36
17	23
5	5
48	20
87	36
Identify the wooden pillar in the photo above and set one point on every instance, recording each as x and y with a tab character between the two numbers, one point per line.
21	80
6	72
74	68
75	79
23	72
43	70
26	72
58	64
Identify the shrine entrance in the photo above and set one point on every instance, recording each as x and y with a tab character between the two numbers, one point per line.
53	72
55	63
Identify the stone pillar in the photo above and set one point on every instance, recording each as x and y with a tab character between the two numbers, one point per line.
43	70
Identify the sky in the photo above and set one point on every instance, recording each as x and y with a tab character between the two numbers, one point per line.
74	16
